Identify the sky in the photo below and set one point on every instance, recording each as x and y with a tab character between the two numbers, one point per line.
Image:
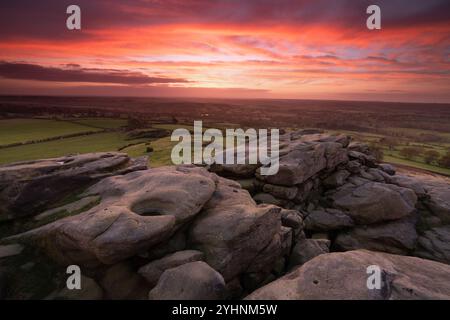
279	49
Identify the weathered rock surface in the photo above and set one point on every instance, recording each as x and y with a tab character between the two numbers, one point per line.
394	237
153	270
191	281
232	229
344	276
375	202
303	157
327	219
435	244
29	187
122	282
439	202
292	219
287	193
137	211
133	231
307	249
388	168
336	179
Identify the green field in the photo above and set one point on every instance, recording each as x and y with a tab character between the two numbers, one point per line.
99	142
109	141
408	138
102	123
416	164
23	130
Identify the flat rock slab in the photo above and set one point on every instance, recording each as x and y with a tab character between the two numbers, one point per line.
27	188
373	202
343	276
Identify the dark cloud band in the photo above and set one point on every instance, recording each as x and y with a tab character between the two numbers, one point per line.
26	71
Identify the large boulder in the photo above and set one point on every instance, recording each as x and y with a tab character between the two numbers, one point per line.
373	202
408	182
190	281
29	187
397	237
433	191
153	270
345	275
304	159
439	201
232	229
137	212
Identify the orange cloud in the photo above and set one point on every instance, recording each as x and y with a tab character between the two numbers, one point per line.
280	51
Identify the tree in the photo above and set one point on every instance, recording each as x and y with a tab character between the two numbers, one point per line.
431	156
136	123
390	142
410	152
445	160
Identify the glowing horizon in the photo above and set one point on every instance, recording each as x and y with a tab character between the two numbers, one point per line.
225	49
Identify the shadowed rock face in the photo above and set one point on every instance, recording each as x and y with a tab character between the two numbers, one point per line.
190	281
153	270
29	187
374	202
232	229
435	244
344	276
394	237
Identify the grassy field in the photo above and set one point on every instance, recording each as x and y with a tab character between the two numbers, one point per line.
23	130
109	141
101	123
102	141
407	140
416	164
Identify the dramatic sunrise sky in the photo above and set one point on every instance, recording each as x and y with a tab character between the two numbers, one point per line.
237	49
